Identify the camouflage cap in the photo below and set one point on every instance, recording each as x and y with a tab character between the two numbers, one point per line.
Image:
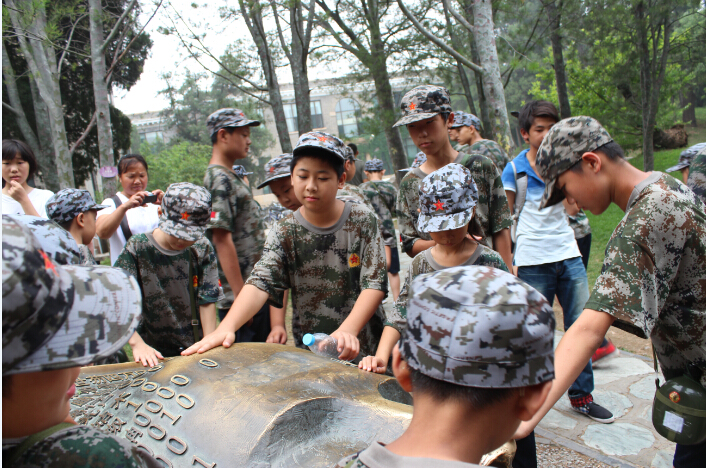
350	155
277	168
68	203
446	199
318	141
186	209
54	316
373	165
478	326
687	156
240	171
463	119
54	240
420	159
423	102
562	147
226	118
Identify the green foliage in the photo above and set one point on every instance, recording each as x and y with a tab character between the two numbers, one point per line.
184	161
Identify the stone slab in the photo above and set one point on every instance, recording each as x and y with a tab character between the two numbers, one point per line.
619	439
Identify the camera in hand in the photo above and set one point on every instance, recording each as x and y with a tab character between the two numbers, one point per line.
149	199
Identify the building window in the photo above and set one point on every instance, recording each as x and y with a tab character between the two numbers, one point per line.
317	117
290	113
151	137
347	114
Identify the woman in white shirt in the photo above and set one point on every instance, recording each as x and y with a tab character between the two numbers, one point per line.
132	174
18	165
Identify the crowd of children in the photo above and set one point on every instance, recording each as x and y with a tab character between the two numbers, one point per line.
470	333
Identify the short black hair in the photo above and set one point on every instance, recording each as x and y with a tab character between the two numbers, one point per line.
534	109
478	398
214	137
612	150
354	147
128	160
11	148
336	163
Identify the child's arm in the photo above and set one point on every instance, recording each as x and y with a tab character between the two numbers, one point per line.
346	335
378	363
227	255
208	317
246	305
278	329
142	352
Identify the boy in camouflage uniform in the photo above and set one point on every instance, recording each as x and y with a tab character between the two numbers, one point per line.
652	282
329	253
447	200
685	159
383	196
74	210
55	319
477	356
426	110
175	266
350	192
697	175
470	140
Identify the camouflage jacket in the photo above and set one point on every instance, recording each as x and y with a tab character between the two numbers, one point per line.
579	223
383	197
326	270
377	456
80	446
492	211
652	279
163	276
697	175
425	263
354	193
87	258
490	149
235	210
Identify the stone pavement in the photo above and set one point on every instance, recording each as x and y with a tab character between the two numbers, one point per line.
625	385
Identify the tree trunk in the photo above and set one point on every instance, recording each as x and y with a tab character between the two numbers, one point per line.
482	103
100	94
298	65
492	85
688	102
41	62
50	175
554	14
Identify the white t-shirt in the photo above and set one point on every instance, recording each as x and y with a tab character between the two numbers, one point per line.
37	197
140	219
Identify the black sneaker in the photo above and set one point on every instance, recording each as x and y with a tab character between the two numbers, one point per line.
596	412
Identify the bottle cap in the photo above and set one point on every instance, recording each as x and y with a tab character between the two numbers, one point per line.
308	339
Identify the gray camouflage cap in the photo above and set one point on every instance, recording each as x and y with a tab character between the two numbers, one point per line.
240	171
53	239
186	209
420	159
563	146
446	199
373	165
68	203
464	119
423	102
478	326
318	141
55	316
277	168
226	118
687	156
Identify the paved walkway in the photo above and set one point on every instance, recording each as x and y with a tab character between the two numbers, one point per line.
626	386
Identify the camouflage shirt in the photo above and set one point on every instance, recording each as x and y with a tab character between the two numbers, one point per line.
87	258
383	196
354	193
697	175
425	263
492	211
163	276
326	270
652	279
490	149
79	446
235	210
377	456
579	223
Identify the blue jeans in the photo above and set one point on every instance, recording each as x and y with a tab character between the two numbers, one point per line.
568	282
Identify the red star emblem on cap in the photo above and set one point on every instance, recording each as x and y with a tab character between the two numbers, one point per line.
412	106
272	169
322	138
48	263
185	216
439	205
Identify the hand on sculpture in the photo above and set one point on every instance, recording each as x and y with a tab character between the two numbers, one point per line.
146	354
278	335
348	345
214	339
373	364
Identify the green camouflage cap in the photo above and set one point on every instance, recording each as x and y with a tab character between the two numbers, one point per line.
687	156
226	118
562	147
186	209
240	171
68	203
373	165
423	102
350	155
446	199
54	316
53	239
478	326
464	119
318	141
277	168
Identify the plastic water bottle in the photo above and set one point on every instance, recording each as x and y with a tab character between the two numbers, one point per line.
322	344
